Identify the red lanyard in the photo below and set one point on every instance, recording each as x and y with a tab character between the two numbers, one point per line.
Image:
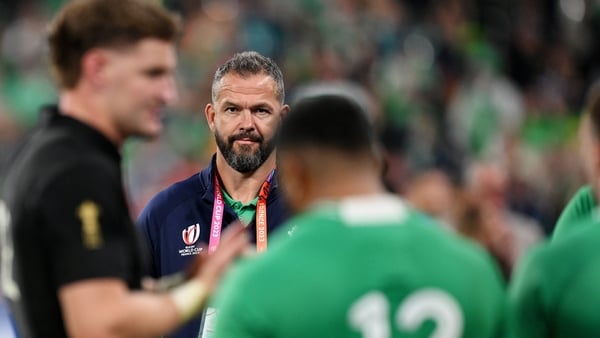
261	215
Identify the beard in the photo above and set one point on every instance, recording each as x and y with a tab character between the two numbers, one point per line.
245	159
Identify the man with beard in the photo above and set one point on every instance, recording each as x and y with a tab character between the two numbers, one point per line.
187	218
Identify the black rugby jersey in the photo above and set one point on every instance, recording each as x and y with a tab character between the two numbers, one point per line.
68	220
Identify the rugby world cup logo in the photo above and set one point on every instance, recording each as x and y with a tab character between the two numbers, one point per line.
191	234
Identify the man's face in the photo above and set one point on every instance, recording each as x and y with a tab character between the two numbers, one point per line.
245	119
139	83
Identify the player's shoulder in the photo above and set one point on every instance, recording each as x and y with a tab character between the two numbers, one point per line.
429	235
391	215
431	229
579	207
552	262
63	156
56	146
584	195
580	243
463	249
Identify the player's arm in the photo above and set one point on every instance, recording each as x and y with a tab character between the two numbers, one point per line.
525	317
93	261
105	307
150	230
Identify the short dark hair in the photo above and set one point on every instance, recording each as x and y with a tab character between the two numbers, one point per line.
250	63
85	24
327	122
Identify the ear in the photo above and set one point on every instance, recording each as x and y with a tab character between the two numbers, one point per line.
93	65
594	180
596	158
209	113
284	110
295	180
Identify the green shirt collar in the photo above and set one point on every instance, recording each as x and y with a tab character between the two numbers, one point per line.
245	212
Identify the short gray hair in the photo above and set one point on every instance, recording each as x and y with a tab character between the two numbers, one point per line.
250	63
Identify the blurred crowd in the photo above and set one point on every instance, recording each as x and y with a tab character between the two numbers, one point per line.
477	101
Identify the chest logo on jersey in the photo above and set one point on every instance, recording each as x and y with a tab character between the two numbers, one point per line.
190	236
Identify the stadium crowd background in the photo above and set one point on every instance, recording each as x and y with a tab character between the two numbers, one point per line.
452	84
477	100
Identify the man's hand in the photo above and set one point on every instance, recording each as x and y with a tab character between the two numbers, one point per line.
209	268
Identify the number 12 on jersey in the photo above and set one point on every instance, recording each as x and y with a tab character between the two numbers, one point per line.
370	314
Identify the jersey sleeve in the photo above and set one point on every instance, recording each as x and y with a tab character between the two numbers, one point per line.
87	225
581	205
525	317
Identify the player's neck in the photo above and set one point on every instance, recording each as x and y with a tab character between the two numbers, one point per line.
243	187
343	186
87	109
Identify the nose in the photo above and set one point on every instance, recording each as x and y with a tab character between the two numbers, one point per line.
169	92
246	120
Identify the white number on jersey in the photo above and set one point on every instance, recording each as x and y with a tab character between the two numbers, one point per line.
370	313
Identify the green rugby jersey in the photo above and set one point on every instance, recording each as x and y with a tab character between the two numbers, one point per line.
554	291
363	267
580	206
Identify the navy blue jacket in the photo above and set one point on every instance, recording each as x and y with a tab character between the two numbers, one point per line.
169	220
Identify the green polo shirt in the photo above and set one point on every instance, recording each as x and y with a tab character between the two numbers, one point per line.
245	212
